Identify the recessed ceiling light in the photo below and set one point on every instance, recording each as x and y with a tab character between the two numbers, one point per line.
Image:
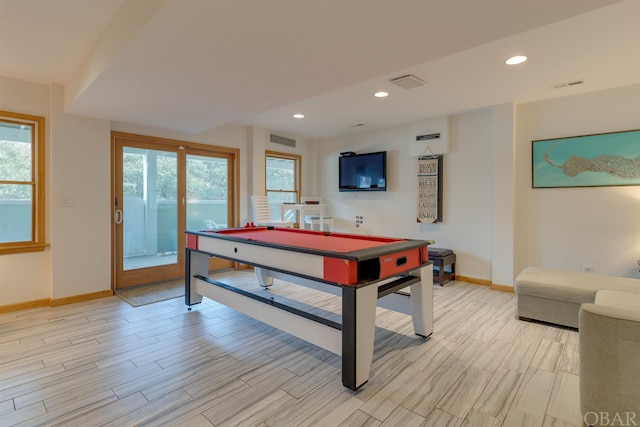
298	116
518	59
381	94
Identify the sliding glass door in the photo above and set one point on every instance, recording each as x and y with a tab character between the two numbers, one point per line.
160	190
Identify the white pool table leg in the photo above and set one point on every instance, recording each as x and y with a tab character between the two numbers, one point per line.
422	302
264	277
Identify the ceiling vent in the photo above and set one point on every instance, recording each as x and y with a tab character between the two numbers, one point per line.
408	82
568	84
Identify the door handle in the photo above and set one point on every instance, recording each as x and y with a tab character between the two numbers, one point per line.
118	216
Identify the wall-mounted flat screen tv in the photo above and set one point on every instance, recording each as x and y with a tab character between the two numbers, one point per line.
363	172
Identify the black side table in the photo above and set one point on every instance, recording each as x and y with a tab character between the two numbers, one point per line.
442	258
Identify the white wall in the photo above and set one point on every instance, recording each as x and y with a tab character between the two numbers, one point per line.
557	228
467	208
80	234
493	219
27	277
503	195
78	260
570	227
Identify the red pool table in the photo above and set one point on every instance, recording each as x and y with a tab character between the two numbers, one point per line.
366	271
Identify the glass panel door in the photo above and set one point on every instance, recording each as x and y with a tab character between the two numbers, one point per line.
207	192
162	188
150	187
147	214
209	198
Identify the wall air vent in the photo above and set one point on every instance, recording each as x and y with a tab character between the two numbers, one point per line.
568	84
282	140
408	82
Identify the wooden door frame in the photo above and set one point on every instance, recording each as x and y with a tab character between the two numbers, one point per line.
181	147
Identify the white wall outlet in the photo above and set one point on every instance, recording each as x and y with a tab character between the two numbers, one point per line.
587	268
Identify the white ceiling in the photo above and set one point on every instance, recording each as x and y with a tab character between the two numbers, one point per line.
191	65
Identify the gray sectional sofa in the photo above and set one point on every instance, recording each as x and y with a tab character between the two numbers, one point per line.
606	311
555	296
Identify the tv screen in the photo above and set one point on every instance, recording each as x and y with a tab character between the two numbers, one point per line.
363	172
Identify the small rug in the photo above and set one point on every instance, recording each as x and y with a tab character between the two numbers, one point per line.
149	294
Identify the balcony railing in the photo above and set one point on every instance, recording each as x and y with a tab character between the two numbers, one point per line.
147	231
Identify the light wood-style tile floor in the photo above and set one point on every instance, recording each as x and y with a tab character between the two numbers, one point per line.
105	363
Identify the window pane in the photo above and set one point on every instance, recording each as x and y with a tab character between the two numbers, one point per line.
15	211
133	171
281	174
207	192
150	208
22	170
15	152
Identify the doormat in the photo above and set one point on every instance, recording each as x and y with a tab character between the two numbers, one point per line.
148	294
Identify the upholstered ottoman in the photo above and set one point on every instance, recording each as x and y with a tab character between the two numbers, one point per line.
442	258
555	296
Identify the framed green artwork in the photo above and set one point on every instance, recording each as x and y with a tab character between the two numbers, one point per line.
606	159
